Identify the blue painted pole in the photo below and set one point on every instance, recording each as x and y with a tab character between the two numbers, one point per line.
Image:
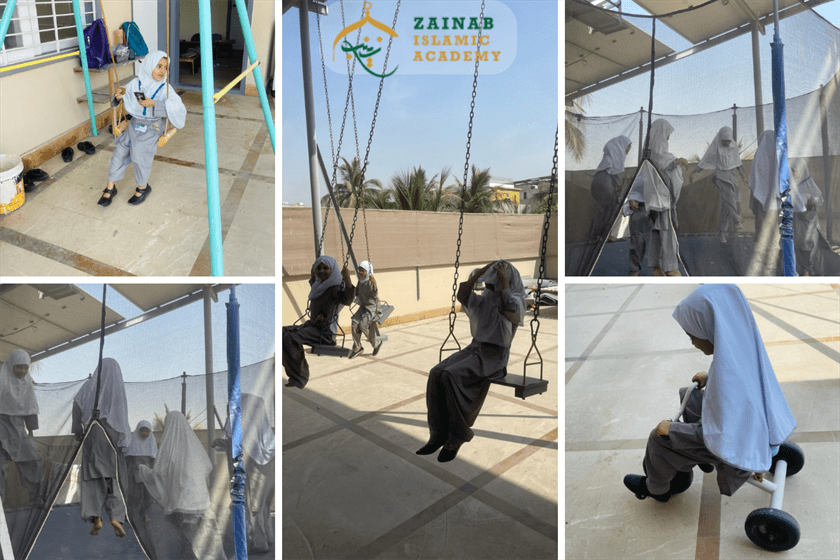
780	123
7	19
240	533
77	14
252	56
211	157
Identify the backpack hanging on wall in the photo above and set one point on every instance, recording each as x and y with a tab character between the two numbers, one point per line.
135	39
96	45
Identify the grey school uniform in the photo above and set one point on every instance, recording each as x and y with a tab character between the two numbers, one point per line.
640	224
684	448
730	201
16	446
138	145
363	319
604	189
312	332
100	468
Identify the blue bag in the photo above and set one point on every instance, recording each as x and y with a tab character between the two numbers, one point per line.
96	45
135	39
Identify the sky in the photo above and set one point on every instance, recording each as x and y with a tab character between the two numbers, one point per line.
423	118
172	343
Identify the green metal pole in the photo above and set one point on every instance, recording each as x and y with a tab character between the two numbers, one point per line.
211	159
83	55
7	19
252	56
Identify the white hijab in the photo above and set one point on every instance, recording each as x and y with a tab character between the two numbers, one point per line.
368	268
17	396
140	447
487	324
257	436
745	412
156	90
764	175
317	287
721	157
660	130
113	405
803	186
178	481
615	152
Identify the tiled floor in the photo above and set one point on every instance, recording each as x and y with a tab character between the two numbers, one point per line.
61	231
625	360
354	488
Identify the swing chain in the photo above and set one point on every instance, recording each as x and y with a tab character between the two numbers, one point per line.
326	91
546	224
452	314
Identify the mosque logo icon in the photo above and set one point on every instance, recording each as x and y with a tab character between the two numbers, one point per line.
369	43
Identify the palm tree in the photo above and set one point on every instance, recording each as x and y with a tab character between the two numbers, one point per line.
478	197
379	199
576	128
412	191
160	423
349	182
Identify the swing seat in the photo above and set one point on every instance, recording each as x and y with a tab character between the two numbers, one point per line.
384	312
532	385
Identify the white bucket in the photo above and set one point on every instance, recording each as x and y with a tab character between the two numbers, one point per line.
12	195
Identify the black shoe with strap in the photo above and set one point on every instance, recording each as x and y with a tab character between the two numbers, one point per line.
106	200
637	484
140	195
431	446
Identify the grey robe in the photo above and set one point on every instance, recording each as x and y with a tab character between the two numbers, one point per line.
312	332
684	448
363	319
730	201
16	446
138	146
604	190
806	237
662	252
639	233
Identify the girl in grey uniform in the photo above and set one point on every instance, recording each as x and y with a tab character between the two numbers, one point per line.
142	450
363	320
146	100
607	182
457	386
18	419
806	198
722	157
741	417
328	289
102	463
178	482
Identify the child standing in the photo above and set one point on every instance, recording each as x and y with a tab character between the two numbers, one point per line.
142	450
363	320
722	156
147	101
457	386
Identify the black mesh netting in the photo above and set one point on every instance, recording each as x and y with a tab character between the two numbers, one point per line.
182	510
718	232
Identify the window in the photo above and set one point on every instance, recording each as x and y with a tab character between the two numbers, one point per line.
42	27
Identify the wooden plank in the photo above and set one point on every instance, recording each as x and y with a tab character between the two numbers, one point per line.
103	94
105	68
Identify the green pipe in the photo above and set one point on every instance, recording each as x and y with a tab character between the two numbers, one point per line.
83	55
211	159
252	56
7	19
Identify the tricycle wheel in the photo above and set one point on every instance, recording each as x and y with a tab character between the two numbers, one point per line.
772	529
792	454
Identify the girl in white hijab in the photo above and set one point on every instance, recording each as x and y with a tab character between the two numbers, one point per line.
146	100
329	288
742	416
363	320
457	386
607	183
102	463
18	419
764	180
142	450
661	194
723	157
806	197
258	451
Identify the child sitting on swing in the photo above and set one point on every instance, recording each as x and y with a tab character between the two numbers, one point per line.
364	319
329	288
147	101
457	386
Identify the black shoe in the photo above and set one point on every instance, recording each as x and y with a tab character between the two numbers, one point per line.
430	447
140	195
682	482
87	148
705	467
106	200
355	352
36	175
637	484
67	155
28	185
376	348
449	451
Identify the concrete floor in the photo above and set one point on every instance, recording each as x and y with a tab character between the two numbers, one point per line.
354	488
61	231
625	360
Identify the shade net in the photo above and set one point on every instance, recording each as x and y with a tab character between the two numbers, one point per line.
173	508
721	231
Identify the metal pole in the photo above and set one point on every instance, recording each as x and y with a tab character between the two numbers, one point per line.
735	124
7	19
337	211
309	105
641	130
184	394
80	35
252	56
756	55
208	377
826	165
211	159
237	491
